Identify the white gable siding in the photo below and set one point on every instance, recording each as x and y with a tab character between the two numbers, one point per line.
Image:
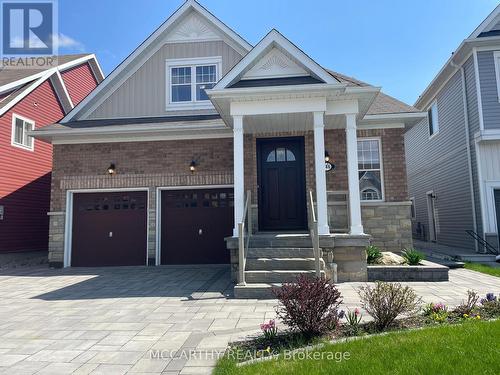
143	94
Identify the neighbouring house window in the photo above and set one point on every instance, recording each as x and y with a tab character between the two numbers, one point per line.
432	114
496	56
189	80
20	129
370	170
413	212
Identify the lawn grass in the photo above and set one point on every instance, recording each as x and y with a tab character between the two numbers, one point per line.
469	348
483	268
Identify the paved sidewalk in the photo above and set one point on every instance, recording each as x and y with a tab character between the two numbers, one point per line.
107	320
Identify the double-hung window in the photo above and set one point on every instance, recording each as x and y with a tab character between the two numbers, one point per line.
432	115
20	128
370	170
189	80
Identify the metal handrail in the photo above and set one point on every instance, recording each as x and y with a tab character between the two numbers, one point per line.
490	248
313	230
244	241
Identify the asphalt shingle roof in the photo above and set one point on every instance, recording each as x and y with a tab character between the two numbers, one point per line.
383	103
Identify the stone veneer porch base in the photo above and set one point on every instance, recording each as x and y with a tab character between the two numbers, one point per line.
427	271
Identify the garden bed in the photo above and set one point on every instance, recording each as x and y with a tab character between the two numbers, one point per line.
425	271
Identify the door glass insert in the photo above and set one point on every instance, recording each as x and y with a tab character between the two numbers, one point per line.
280	155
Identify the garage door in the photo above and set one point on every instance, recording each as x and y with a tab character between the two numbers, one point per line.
109	229
194	224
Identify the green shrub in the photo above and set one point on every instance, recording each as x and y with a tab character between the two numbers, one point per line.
412	256
467	307
373	254
386	301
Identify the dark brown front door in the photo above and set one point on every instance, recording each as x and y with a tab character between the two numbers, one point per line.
281	175
109	229
194	224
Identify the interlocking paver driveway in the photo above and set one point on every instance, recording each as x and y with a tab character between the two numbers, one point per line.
110	320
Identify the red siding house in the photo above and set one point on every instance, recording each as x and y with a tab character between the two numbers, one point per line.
30	100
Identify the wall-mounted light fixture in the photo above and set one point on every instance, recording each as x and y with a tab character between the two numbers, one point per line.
112	169
192	166
327	156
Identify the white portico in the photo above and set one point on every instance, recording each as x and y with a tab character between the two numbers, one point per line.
275	91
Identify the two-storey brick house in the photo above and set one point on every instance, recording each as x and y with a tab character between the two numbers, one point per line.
154	166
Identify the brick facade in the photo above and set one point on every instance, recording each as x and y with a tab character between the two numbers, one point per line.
166	163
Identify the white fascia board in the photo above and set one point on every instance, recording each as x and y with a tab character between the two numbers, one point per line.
25	93
62	92
486	23
275	38
62	67
487	135
320	88
190	4
408	118
387	125
269	107
340	107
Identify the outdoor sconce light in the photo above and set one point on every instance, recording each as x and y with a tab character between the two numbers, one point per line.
327	157
111	169
192	166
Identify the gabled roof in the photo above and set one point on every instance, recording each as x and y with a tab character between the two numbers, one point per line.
486	34
383	103
11	79
18	83
301	64
146	50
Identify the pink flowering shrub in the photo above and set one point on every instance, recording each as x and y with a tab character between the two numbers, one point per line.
309	305
269	329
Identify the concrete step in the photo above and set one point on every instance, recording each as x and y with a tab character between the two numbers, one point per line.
280	252
270	264
276	276
469	257
256	291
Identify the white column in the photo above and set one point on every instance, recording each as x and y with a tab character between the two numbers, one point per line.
353	176
319	165
239	185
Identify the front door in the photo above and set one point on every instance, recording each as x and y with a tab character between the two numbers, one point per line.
281	182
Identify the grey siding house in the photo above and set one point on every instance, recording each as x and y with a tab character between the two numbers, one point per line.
453	155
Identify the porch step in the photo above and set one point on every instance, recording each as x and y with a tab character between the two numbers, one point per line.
280	252
257	290
276	276
275	263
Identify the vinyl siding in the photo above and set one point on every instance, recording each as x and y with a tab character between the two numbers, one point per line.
144	93
79	81
25	175
489	94
440	164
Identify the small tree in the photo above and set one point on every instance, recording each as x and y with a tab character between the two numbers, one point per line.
310	305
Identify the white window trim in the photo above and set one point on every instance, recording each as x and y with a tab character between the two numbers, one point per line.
414	216
434	121
193	104
496	57
491	218
382	183
15	116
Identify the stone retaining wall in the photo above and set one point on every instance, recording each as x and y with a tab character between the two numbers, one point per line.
427	271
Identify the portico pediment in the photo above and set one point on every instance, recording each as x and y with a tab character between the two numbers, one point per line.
275	64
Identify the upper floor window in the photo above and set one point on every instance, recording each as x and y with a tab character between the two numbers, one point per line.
370	170
20	128
188	80
432	114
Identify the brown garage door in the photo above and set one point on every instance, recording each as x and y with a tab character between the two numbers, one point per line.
109	229
194	224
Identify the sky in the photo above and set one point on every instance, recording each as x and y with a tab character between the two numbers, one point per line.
399	45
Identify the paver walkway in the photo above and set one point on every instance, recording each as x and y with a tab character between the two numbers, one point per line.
120	320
